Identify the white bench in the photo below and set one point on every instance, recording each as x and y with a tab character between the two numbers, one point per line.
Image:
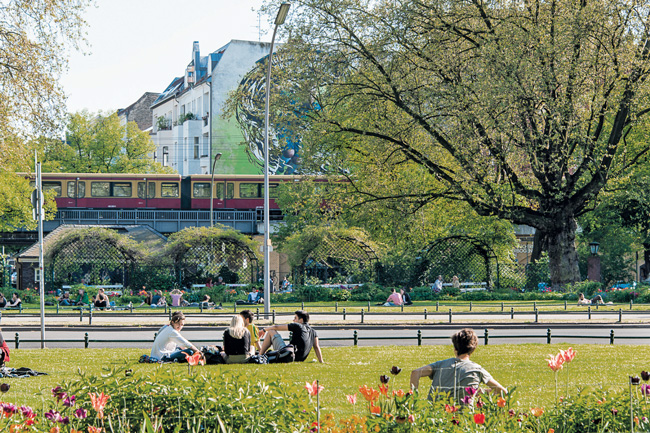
469	287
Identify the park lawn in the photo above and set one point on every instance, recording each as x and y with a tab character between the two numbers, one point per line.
521	366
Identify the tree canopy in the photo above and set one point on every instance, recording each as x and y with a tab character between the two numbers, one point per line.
523	110
99	143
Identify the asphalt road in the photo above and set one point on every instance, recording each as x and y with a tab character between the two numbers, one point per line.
114	337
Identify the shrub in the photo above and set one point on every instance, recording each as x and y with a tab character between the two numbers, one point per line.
341	295
450	291
586	287
422	294
370	292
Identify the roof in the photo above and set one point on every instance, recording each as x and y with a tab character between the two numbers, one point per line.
142	234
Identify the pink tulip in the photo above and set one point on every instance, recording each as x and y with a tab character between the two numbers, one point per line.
569	354
352	399
313	388
555	362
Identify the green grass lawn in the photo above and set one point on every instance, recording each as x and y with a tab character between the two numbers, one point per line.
522	366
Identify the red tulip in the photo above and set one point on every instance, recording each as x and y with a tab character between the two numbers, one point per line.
479	418
555	362
195	359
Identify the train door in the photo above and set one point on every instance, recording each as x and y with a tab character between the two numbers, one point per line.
186	193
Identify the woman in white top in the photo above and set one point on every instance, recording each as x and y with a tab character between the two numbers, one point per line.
170	345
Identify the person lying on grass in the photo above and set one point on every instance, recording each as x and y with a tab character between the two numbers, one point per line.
303	338
170	345
459	377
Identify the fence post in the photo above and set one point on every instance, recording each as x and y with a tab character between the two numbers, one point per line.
502	307
169	314
234	306
486	337
302	305
17	340
155	334
258	314
548	336
131	307
90	316
470	305
419	337
611	337
336	307
450	315
57	308
356	338
620	315
368	306
564	305
81	314
200	307
86	340
631	304
534	305
589	312
344	314
273	317
425	314
437	305
166	309
401	306
362	314
536	315
512	312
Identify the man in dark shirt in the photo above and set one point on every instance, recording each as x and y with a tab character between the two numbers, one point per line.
303	337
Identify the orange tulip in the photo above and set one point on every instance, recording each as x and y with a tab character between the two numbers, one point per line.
383	389
537	411
369	393
399	393
98	402
92	429
551	430
450	409
314	388
501	402
375	409
479	418
55	429
195	359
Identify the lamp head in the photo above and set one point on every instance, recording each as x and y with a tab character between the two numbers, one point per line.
282	13
593	246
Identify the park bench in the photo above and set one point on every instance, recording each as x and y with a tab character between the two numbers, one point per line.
470	286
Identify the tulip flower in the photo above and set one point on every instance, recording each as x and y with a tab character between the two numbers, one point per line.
195	359
69	401
56	392
470	390
551	430
376	410
645	389
81	413
399	393
635	380
8	409
479	418
384	379
411	418
52	415
313	388
569	354
645	375
537	411
352	399
501	402
555	362
450	409
27	412
369	393
383	389
55	429
395	370
99	402
92	429
4	387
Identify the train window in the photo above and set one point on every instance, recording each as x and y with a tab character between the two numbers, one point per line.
56	186
152	189
100	189
249	190
201	190
273	190
76	189
122	189
231	190
169	189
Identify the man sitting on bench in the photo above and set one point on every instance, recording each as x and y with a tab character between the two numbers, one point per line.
303	337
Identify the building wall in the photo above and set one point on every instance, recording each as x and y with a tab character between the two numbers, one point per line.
139	112
238	59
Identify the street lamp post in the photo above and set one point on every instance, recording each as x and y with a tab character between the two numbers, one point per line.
216	158
279	20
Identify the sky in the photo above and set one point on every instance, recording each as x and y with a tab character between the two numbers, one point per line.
138	46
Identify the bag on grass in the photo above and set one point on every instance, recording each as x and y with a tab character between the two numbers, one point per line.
286	354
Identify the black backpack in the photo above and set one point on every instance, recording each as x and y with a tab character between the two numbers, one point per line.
284	355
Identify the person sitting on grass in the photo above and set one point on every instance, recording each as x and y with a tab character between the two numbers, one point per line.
394	300
3	301
303	338
170	345
454	375
101	300
82	298
256	335
177	297
14	302
582	300
237	342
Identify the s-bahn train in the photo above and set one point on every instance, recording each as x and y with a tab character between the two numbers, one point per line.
163	191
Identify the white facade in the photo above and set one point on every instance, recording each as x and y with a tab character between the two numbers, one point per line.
185	113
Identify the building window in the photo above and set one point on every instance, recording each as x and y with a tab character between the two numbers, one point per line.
196	148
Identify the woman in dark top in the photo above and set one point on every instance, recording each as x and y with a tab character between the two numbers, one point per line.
237	342
101	300
3	301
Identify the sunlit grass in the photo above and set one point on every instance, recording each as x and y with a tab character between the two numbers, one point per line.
347	368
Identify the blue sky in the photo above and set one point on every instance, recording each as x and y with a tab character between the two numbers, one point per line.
138	46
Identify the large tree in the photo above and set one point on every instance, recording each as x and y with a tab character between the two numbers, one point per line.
35	39
99	143
520	109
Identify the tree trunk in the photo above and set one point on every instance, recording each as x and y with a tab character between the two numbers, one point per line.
645	273
563	256
540	244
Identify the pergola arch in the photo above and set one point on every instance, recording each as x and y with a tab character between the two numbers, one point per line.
469	258
92	256
203	254
329	252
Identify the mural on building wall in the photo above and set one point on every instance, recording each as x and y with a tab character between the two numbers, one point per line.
284	155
